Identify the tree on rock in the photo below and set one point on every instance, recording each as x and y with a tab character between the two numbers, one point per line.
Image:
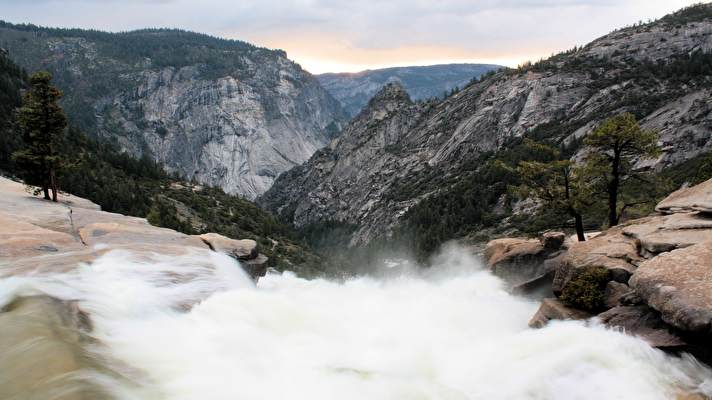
557	183
614	147
43	125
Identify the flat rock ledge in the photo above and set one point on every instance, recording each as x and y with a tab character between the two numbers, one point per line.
695	198
39	236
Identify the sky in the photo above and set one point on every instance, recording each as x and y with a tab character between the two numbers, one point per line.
353	35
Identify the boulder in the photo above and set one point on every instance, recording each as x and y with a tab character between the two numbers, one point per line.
517	260
611	250
695	198
645	323
552	240
257	267
245	249
678	284
553	309
615	291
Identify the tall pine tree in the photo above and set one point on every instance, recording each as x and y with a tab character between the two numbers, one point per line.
614	147
43	125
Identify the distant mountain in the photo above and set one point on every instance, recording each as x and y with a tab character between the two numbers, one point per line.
437	167
223	112
354	90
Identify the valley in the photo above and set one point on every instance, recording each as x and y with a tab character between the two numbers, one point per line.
189	217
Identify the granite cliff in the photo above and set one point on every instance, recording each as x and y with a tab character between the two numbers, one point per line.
396	153
224	112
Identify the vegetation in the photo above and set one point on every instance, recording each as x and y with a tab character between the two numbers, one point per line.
587	289
693	13
12	79
559	184
43	124
473	198
613	148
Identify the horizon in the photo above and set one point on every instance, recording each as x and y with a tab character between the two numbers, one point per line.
315	34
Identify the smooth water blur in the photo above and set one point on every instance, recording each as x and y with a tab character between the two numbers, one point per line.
452	334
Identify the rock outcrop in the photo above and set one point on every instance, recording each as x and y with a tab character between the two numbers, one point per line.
679	285
697	198
224	112
387	161
611	250
245	250
37	236
553	309
660	273
521	262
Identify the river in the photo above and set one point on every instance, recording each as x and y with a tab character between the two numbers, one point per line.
187	328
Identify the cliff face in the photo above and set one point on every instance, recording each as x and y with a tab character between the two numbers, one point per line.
353	90
223	112
648	70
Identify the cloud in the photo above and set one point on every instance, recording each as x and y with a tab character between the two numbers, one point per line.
353	34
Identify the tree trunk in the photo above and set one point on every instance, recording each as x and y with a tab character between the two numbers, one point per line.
54	184
45	189
579	227
613	191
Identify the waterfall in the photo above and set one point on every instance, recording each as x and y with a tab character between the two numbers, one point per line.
187	327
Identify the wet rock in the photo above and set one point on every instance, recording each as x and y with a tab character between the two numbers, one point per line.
42	353
257	267
245	251
517	260
553	309
678	284
645	323
696	198
540	286
552	240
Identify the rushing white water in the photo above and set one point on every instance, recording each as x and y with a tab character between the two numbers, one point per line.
454	334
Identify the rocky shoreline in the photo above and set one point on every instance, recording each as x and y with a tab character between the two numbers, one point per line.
650	277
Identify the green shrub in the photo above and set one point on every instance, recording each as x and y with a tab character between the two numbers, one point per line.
586	291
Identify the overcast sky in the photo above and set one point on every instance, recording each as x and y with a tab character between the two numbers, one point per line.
352	35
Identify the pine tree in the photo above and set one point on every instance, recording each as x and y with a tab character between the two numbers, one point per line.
558	184
614	147
43	125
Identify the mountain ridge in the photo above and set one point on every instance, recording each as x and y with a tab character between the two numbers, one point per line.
657	71
221	111
353	89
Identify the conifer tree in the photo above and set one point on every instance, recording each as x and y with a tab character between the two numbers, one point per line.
557	183
43	125
614	147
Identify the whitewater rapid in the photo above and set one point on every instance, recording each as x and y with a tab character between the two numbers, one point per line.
196	328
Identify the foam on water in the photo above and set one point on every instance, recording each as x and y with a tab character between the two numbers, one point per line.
455	334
